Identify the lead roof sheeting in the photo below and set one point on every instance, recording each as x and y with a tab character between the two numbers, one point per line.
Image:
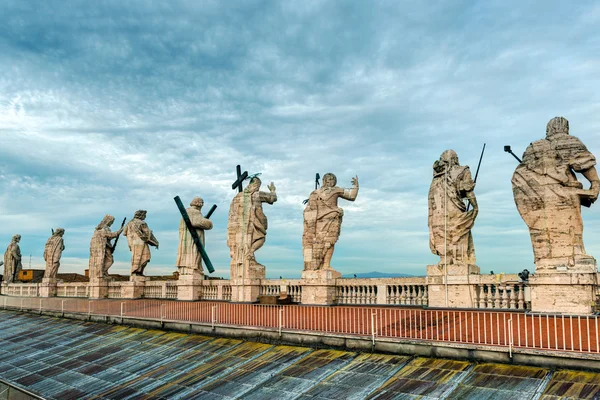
66	359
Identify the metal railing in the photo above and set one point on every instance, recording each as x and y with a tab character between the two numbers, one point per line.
510	329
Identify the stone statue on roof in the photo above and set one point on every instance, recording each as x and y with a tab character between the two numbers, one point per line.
549	197
449	221
53	252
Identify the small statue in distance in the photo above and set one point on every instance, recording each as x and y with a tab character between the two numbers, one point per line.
189	259
449	221
101	249
323	221
549	198
12	260
139	238
52	253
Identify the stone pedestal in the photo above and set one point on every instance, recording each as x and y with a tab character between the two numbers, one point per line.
318	287
189	284
98	288
459	287
245	290
48	287
134	289
565	293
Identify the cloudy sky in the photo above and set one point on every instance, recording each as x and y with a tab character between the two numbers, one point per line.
108	107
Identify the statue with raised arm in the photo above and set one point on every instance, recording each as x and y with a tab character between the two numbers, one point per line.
52	253
323	221
12	260
139	238
449	221
549	198
101	248
189	258
247	229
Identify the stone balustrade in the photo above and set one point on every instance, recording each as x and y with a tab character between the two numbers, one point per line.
72	289
502	291
272	287
114	290
21	289
401	291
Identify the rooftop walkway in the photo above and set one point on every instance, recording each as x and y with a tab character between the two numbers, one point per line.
66	359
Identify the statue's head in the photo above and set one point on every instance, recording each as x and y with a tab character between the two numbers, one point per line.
447	160
140	214
557	125
106	221
197	202
254	184
59	231
329	180
16	238
449	157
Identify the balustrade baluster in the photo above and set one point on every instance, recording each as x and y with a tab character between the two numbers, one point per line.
513	296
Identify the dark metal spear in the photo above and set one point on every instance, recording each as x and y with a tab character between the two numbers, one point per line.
114	246
477	172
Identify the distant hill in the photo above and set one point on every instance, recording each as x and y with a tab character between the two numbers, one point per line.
375	274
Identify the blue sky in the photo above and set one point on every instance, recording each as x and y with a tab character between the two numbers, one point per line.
108	107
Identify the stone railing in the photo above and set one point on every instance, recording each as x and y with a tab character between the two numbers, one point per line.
160	289
114	290
272	287
216	289
72	289
403	291
21	289
505	292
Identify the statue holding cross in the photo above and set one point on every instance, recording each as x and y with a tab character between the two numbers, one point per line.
247	227
189	260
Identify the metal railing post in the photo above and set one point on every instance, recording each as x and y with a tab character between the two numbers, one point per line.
373	326
40	306
214	316
510	337
162	306
122	306
21	304
62	307
280	320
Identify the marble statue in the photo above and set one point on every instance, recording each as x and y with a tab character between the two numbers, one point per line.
101	250
549	198
139	238
247	228
188	256
12	260
449	221
52	253
323	221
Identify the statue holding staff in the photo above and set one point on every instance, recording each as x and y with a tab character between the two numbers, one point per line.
247	227
549	197
323	221
52	253
139	238
101	248
449	221
12	260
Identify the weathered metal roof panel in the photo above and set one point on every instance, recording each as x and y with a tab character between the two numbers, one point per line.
65	359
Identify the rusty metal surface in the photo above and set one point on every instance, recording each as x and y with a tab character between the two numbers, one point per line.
67	359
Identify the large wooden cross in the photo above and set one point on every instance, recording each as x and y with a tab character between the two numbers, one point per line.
240	178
